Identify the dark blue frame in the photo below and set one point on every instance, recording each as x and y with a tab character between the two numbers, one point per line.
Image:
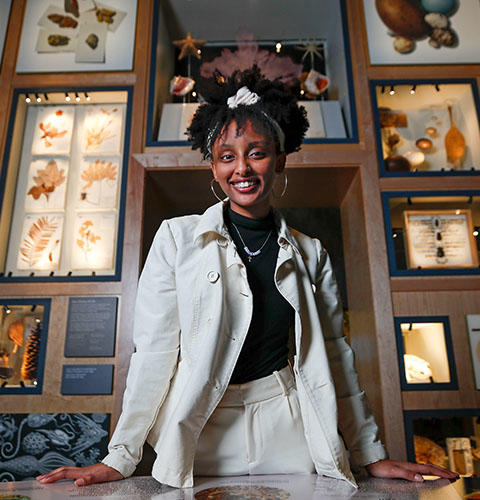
43	344
434	386
123	188
150	142
410	415
376	120
389	239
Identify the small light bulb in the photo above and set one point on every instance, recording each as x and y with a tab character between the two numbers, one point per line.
67	98
37	320
199	51
394	235
302	92
194	94
475	233
457	212
412	91
278	46
39	99
27	99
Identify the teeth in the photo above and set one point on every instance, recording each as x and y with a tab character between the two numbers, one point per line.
244	184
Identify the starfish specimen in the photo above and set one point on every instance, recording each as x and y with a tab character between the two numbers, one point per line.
310	48
189	46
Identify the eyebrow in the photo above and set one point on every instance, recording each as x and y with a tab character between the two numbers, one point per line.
250	144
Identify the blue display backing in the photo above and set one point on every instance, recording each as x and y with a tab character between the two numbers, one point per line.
386	195
123	188
434	386
376	120
43	343
151	142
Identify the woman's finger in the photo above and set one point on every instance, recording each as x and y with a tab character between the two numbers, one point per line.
83	476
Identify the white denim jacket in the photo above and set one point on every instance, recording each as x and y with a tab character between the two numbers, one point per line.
192	314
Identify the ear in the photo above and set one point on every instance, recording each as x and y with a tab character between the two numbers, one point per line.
214	171
280	163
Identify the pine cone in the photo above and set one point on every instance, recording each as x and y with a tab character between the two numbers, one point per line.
31	356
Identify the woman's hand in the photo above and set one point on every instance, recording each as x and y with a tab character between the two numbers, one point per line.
407	470
98	473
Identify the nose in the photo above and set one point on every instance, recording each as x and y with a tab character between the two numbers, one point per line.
242	165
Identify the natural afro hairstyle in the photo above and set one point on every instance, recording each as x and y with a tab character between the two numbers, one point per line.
276	101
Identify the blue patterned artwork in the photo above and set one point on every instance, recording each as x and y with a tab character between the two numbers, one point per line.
32	444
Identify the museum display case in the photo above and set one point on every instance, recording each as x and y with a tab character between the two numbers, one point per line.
427	127
434	233
310	54
63	183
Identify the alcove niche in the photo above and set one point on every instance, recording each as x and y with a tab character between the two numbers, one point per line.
178	183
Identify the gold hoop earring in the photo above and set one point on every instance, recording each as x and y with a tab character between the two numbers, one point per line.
285	184
213	190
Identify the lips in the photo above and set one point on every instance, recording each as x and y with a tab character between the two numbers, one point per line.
245	185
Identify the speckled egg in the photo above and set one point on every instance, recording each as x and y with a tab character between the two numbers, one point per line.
440	6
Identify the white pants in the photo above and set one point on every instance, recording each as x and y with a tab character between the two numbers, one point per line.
256	429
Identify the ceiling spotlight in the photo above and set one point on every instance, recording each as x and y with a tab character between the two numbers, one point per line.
412	90
383	89
278	47
27	98
392	90
7	310
38	98
437	88
77	97
67	97
87	97
45	96
475	233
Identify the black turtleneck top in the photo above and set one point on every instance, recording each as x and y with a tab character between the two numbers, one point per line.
266	346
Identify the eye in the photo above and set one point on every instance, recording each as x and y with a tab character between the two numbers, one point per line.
257	154
226	157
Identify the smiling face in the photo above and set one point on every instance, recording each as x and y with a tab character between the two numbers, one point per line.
245	166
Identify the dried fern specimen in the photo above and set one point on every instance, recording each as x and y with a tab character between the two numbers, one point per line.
98	171
37	240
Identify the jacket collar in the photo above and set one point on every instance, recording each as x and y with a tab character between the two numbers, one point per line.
211	221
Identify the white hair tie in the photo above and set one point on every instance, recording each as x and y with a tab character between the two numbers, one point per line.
243	96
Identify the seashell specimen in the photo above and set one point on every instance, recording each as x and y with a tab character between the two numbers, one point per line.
415	158
431	131
314	83
403	45
57	40
71	6
15	334
105	15
92	41
397	164
424	144
436	20
63	21
444	37
181	85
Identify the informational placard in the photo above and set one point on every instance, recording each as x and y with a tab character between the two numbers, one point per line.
91	326
87	379
440	239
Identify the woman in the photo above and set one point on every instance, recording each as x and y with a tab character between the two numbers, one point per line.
241	366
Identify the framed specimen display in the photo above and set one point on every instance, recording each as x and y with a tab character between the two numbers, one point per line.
62	191
23	342
425	353
89	36
295	52
460	455
432	232
443	238
427	127
422	32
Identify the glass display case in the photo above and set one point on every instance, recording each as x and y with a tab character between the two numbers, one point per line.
310	53
23	344
63	184
432	233
448	438
427	127
425	353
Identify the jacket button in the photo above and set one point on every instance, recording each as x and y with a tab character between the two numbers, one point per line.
212	276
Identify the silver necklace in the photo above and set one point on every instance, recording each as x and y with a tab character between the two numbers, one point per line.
247	250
